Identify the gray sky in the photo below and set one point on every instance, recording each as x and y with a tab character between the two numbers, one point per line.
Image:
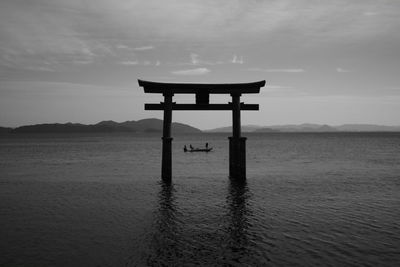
325	61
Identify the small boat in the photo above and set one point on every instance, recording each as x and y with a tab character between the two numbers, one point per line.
198	149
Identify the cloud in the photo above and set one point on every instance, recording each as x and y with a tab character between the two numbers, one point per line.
66	31
39	68
278	87
198	71
277	70
129	63
194	58
370	13
139	63
341	70
82	62
236	60
122	46
144	48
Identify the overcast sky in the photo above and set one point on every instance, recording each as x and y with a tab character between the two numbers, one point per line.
324	61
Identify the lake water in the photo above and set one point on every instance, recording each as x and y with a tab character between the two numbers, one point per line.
324	199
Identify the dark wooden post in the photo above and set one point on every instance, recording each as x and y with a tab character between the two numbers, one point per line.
236	131
166	165
237	143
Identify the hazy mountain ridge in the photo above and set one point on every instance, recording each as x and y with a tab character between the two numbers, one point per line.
309	127
5	130
156	125
140	126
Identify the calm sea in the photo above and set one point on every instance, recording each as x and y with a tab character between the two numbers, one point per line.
326	199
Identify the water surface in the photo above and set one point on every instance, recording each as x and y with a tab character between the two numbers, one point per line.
327	199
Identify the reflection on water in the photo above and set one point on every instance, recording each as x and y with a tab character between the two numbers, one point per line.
238	220
176	241
165	243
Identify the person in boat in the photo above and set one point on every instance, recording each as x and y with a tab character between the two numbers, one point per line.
185	148
206	145
191	147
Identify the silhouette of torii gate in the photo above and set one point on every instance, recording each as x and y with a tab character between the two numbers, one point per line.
237	143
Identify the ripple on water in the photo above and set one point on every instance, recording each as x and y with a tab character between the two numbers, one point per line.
309	200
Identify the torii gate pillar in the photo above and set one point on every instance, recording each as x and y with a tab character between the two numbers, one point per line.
166	164
237	143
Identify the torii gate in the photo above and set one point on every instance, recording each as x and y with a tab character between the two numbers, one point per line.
237	143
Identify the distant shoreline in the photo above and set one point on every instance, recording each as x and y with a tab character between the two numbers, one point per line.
149	126
159	134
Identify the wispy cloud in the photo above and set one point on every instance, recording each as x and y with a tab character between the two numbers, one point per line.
370	13
82	62
341	70
129	63
39	68
139	63
144	48
122	46
278	87
71	27
277	70
198	71
237	60
280	91
194	58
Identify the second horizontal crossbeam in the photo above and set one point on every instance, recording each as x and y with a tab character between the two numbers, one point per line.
175	106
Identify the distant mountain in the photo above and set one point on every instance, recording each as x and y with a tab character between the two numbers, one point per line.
108	123
67	128
156	125
367	128
228	129
305	127
141	126
5	130
309	127
266	130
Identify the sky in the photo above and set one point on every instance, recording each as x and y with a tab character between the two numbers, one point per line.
324	61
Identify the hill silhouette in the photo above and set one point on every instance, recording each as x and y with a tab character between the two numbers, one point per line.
140	126
4	130
156	126
309	127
